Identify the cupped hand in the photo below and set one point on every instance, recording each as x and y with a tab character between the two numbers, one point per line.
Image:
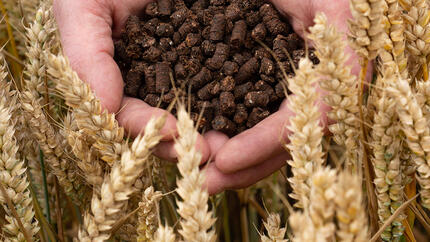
258	152
87	29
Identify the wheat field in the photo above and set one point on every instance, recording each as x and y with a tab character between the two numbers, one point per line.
69	172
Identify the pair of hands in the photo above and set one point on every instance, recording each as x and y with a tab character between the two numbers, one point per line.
87	28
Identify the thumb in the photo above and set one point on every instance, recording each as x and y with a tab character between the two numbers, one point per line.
86	35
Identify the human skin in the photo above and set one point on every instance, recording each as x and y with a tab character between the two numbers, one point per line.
87	29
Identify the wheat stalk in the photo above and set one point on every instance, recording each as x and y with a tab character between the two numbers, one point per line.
89	115
274	231
339	83
196	219
305	140
415	127
13	177
117	186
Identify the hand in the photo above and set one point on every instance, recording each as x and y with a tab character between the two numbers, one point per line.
87	28
258	152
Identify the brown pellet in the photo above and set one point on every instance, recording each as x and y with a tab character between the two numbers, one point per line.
152	54
165	7
227	103
162	77
247	70
133	28
150	78
217	27
193	39
221	54
256	99
180	71
152	99
256	115
151	25
272	21
201	79
241	90
223	124
230	68
179	16
152	9
241	114
233	11
208	48
228	84
209	91
267	66
238	35
280	90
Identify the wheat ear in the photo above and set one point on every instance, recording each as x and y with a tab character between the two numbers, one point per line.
386	145
50	141
305	140
274	231
416	129
395	44
148	215
350	210
81	146
13	176
416	16
367	33
117	186
316	222
90	117
339	83
196	219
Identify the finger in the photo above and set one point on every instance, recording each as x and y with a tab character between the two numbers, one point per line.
85	28
166	150
215	140
135	114
255	145
216	181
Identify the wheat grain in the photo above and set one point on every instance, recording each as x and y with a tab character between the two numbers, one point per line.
274	231
339	83
89	115
148	215
164	234
414	126
196	219
117	186
306	137
13	175
350	211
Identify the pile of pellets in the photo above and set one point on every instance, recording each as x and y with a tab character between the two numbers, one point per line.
206	53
